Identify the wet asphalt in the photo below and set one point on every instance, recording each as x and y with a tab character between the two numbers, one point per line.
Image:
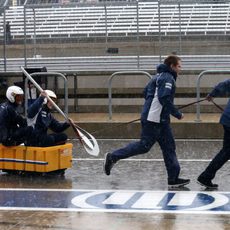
143	172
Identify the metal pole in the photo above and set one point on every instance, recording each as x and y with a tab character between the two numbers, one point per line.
4	42
4	33
159	26
25	51
106	27
34	40
26	96
198	97
138	37
179	7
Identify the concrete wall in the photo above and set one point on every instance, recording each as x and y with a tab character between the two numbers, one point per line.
147	46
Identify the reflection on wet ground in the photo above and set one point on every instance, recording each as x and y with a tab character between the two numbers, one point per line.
141	173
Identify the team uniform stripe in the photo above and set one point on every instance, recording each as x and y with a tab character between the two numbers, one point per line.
23	161
168	85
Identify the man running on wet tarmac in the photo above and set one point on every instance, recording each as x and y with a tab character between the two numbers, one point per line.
206	177
155	120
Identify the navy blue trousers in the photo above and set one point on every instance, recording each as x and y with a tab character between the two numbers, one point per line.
220	159
152	133
47	140
18	136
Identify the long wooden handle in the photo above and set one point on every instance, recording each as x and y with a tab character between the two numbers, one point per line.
220	108
195	102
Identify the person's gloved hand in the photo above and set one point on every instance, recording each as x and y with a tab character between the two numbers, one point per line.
43	94
209	98
182	116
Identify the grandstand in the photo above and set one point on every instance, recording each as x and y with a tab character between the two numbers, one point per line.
90	65
100	54
91	20
116	63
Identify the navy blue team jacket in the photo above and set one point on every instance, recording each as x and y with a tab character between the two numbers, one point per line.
159	96
221	89
10	120
41	119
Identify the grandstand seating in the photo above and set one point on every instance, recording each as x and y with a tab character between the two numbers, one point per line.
115	63
89	20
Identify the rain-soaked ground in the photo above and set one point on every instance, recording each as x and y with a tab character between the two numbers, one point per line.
134	196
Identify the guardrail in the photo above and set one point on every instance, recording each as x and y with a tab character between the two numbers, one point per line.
110	85
49	74
198	87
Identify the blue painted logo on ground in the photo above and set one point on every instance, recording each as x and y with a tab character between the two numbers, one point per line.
115	200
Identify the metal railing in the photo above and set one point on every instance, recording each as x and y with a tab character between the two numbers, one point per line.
49	74
198	88
110	85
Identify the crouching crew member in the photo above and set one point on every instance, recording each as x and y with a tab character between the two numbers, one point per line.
206	177
40	117
13	127
155	121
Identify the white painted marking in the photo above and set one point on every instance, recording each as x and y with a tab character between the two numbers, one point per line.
219	200
142	160
177	140
182	199
80	200
119	198
150	200
117	211
110	190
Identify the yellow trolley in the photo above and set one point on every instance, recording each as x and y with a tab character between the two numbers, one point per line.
36	159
